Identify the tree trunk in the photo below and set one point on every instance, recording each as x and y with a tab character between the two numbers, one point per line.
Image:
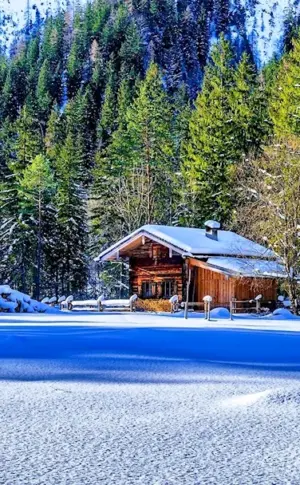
39	253
292	290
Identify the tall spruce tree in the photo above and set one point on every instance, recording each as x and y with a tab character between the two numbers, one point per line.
135	173
229	122
71	204
211	149
284	105
35	192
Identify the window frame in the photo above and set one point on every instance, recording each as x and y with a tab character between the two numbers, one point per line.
152	289
171	282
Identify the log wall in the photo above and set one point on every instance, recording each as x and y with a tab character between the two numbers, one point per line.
151	262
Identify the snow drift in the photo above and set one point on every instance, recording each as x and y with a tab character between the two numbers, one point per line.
12	301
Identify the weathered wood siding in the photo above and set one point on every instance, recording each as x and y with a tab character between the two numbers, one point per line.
223	288
249	288
152	262
217	285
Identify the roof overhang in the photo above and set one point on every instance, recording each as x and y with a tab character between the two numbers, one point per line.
133	241
250	268
194	261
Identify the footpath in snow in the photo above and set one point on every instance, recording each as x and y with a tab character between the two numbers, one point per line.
152	400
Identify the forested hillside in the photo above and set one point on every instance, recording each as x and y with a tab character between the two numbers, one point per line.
119	113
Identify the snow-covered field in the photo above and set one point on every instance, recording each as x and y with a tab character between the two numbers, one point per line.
121	399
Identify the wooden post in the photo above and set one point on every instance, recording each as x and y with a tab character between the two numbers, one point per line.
207	303
208	310
233	305
257	306
187	292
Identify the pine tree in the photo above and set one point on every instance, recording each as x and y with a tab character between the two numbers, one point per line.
15	88
71	203
135	173
43	92
29	141
286	94
8	205
108	113
36	189
81	116
211	151
249	108
131	53
76	58
55	134
229	122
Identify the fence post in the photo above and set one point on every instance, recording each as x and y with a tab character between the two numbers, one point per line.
187	292
257	306
258	299
234	305
207	302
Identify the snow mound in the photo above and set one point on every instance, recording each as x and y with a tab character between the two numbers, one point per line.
13	301
246	399
283	314
220	312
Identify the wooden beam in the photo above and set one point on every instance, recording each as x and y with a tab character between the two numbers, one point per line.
187	291
202	264
170	253
133	242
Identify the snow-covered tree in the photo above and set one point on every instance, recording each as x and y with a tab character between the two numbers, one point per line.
269	208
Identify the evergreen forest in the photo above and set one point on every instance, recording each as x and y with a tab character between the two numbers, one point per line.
115	114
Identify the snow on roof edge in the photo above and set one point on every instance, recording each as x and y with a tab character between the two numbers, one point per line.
248	267
184	241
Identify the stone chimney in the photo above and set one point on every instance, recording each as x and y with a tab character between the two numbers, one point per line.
211	229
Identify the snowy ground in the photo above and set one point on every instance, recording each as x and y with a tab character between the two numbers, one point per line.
125	399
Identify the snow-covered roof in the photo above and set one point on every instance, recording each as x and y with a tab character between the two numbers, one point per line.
191	242
248	267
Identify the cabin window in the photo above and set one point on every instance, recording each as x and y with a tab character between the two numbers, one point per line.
148	289
168	287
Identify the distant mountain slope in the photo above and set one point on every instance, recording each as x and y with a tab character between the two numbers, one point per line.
257	25
265	23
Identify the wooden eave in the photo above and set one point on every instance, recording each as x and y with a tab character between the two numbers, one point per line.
121	250
210	267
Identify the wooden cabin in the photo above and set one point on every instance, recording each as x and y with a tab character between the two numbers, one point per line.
191	263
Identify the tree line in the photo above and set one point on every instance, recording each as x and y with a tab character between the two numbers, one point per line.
119	114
